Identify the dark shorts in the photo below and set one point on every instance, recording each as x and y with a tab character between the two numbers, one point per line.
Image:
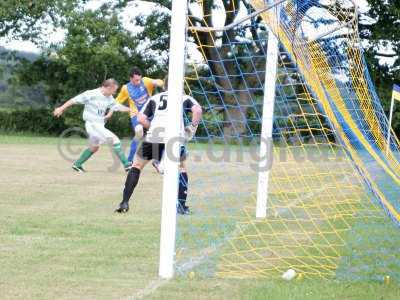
149	151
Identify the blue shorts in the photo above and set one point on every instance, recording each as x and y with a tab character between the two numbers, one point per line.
134	122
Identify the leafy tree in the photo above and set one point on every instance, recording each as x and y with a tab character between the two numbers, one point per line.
12	95
239	103
26	19
379	28
96	47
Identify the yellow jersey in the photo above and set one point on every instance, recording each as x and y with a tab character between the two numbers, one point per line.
136	96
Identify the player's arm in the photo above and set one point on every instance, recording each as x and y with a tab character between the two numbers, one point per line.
157	83
191	105
80	99
197	113
119	107
150	84
147	113
116	107
58	111
153	82
144	120
109	115
123	95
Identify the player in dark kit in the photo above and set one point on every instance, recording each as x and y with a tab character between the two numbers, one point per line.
153	118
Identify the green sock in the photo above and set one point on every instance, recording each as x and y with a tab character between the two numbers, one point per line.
118	150
84	157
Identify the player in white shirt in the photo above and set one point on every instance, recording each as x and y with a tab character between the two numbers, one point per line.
153	118
97	102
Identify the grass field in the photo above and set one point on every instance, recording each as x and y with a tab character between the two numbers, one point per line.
59	238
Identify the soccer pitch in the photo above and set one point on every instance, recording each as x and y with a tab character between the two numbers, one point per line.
59	237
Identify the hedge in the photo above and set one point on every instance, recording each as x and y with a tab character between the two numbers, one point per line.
41	121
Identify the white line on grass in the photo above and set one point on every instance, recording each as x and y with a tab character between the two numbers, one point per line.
149	289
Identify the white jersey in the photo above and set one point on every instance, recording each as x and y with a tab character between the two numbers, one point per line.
156	110
96	105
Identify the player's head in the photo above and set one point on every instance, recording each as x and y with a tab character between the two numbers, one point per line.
135	76
109	87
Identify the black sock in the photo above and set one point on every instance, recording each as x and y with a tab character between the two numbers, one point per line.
131	181
183	188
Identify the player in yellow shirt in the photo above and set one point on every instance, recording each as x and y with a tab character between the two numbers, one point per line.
137	91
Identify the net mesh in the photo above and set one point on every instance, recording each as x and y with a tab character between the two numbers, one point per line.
333	195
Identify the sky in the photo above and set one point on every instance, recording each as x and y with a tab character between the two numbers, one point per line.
54	35
128	14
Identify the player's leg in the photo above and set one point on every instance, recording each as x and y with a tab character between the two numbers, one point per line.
143	156
87	153
117	149
183	184
158	164
183	189
134	142
131	182
106	136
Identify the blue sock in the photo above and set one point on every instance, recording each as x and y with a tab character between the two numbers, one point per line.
132	151
183	188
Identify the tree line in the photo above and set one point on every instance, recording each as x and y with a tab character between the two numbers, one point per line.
97	45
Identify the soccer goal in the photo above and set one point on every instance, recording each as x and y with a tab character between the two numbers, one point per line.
289	168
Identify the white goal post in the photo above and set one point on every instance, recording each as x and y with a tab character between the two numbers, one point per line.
266	151
176	74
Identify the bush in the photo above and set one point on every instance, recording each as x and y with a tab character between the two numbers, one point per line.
40	121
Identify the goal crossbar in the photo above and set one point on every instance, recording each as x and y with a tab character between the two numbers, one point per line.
234	24
260	11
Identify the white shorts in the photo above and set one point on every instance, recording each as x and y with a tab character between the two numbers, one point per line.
98	134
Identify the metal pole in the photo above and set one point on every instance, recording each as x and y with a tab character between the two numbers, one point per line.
175	115
389	126
267	122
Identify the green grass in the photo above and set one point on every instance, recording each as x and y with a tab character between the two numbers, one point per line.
274	289
59	238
